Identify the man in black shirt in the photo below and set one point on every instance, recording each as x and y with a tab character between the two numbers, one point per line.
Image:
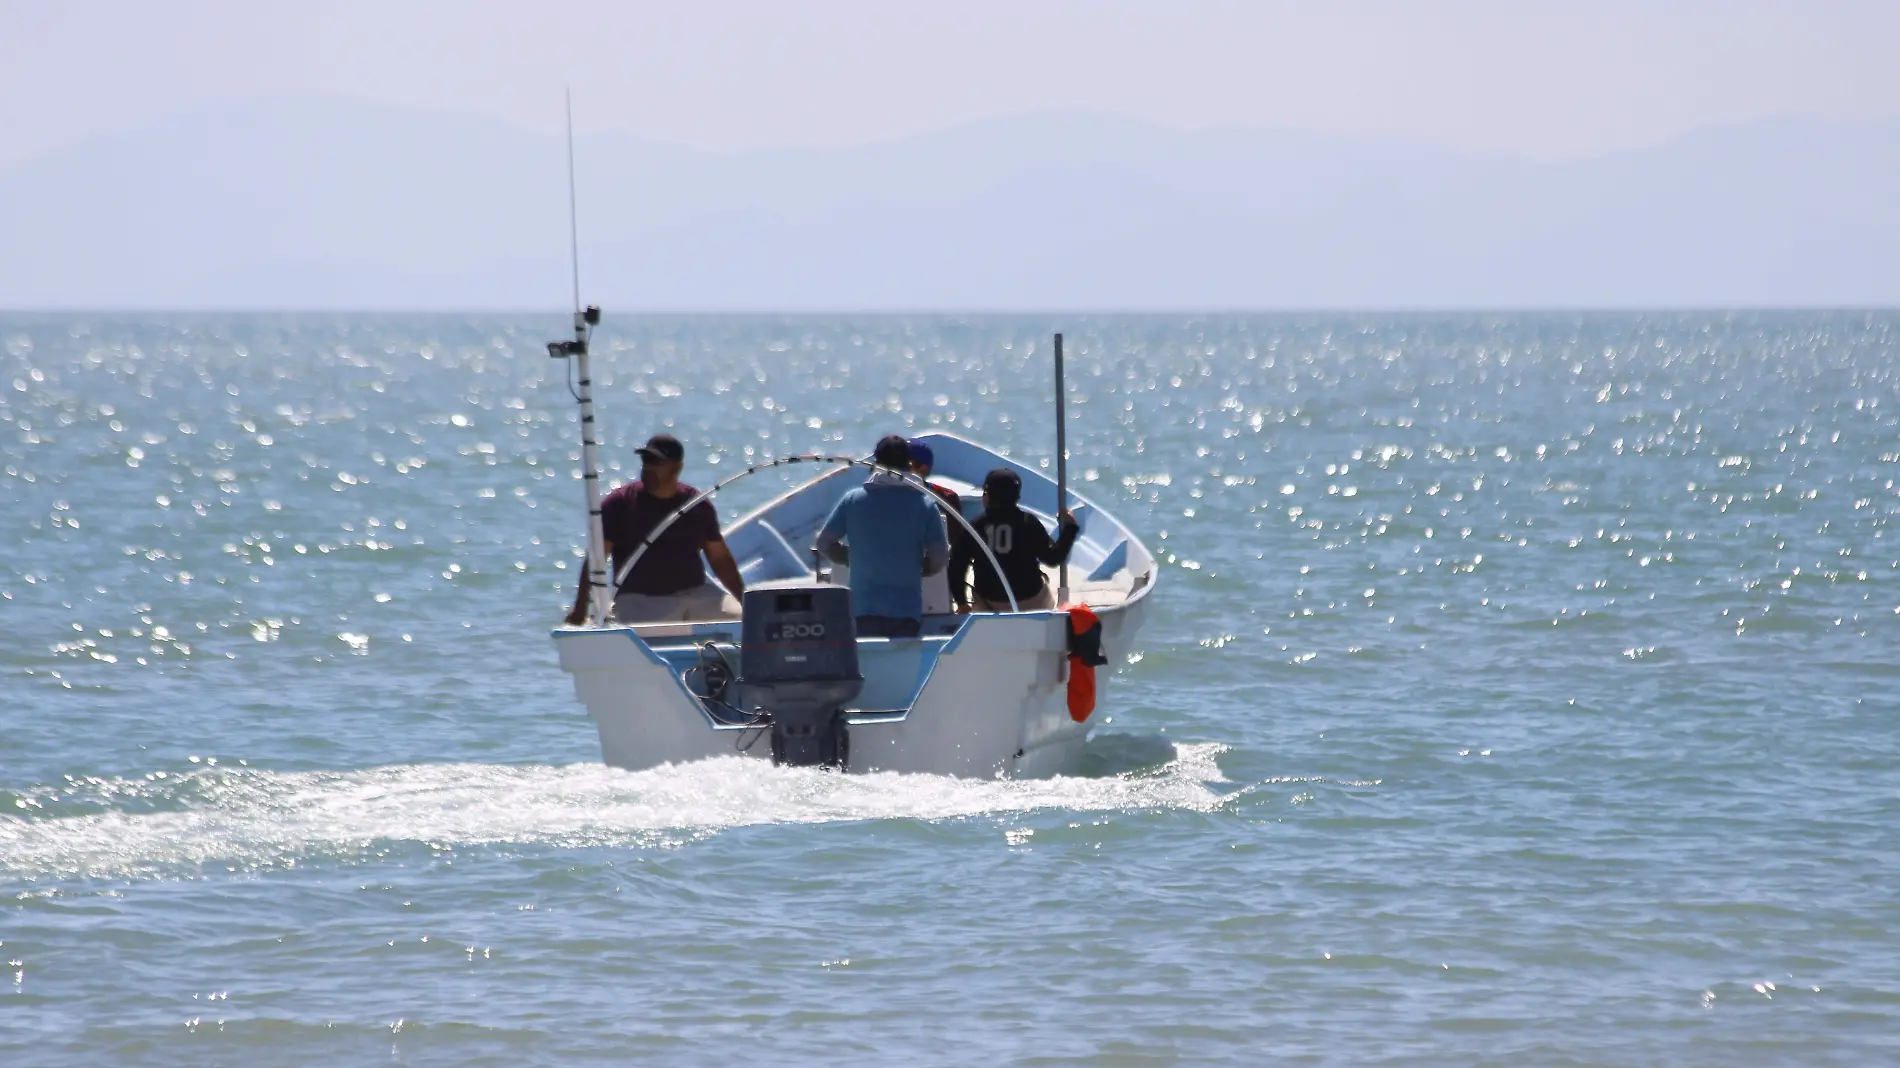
1020	545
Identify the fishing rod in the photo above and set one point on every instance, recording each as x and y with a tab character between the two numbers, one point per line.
585	319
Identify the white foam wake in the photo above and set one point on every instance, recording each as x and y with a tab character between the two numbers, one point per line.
245	819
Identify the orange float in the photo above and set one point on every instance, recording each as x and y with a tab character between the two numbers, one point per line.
1085	655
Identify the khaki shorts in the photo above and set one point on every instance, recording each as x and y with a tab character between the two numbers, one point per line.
687	606
1043	601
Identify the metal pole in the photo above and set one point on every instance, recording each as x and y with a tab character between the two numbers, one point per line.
1062	469
599	592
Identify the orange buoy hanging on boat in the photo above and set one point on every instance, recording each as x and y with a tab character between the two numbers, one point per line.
1085	655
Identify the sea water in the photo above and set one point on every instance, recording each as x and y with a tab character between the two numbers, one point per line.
1518	689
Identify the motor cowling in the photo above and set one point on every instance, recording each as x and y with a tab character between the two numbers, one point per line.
800	664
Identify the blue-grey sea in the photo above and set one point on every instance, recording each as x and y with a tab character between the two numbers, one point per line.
1518	690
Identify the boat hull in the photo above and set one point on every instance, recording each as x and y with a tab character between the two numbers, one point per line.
987	698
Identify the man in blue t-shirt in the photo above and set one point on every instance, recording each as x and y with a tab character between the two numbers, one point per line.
891	535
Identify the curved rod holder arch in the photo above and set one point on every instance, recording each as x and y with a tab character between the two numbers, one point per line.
621	574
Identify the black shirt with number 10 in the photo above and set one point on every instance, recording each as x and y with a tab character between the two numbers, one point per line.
1021	546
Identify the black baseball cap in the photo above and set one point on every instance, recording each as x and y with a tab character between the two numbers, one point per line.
893	451
662	448
1003	485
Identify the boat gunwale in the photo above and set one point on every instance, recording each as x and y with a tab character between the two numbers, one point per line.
1142	583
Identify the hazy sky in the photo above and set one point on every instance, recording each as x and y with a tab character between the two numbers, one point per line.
1546	79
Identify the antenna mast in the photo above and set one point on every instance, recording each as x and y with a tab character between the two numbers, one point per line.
598	595
573	202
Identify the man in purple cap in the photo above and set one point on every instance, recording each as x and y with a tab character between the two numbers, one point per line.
922	459
937	587
668	583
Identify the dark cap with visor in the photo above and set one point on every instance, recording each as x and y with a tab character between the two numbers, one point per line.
662	448
1003	485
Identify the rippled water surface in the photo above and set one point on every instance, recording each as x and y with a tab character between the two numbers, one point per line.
1519	690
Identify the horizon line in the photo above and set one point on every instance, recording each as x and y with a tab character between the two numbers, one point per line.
1263	310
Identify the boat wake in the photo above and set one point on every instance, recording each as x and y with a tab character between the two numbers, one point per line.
220	819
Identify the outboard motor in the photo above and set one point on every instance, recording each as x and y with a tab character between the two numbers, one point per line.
800	659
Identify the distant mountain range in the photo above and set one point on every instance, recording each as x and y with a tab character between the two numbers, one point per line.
330	203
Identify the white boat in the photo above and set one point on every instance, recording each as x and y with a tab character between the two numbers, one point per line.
977	694
981	694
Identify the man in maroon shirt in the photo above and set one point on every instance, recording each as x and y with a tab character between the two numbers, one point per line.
668	584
